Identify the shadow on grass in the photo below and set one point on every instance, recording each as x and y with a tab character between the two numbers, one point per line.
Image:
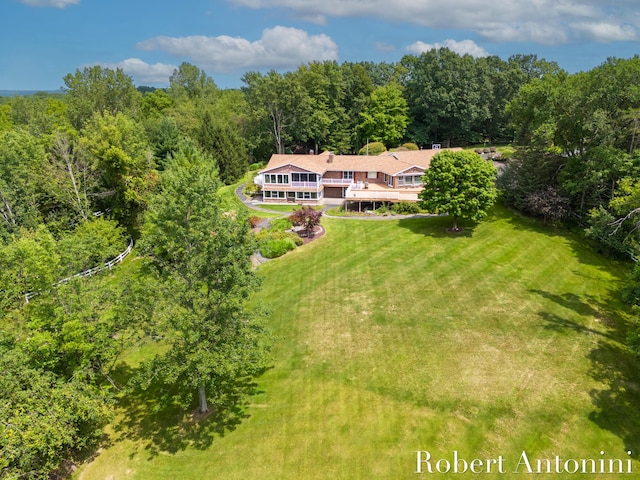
437	227
587	306
616	405
585	251
149	416
612	365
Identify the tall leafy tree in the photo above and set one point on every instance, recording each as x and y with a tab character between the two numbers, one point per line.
22	183
201	251
99	90
226	146
385	118
358	87
119	149
278	105
164	137
461	184
448	95
72	175
326	124
29	263
44	419
40	114
188	80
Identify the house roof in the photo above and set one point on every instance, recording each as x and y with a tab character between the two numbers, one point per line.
390	163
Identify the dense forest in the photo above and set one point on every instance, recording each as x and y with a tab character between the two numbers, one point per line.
84	171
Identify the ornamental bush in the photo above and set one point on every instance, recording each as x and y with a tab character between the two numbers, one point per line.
276	247
280	224
374	148
410	146
405	208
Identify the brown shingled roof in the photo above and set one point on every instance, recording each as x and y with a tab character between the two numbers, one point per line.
390	163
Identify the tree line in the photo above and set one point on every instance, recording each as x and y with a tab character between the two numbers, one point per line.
82	171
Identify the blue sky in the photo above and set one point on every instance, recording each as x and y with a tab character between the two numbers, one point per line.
43	40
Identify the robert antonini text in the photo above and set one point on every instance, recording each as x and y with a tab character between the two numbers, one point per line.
426	463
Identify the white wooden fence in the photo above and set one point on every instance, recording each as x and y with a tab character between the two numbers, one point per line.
90	272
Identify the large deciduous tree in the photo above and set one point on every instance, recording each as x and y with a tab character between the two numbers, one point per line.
202	254
278	104
449	96
100	90
44	419
385	118
120	152
226	146
460	183
22	162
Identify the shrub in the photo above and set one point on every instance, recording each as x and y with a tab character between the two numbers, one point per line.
308	217
265	236
254	221
90	245
374	148
601	230
383	210
257	165
277	247
410	146
405	208
280	224
251	189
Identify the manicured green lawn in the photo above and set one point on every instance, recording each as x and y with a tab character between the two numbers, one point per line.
393	337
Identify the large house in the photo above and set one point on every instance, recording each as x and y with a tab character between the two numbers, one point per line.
310	179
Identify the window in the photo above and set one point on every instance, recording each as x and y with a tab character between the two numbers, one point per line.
410	180
271	194
347	175
279	178
303	177
306	195
372	174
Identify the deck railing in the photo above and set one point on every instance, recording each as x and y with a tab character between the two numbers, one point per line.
360	192
337	181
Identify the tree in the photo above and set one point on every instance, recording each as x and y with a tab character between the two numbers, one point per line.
460	183
385	119
226	146
99	90
188	80
325	126
40	114
307	217
22	163
27	264
44	419
278	105
120	152
164	137
202	255
71	174
548	204
449	96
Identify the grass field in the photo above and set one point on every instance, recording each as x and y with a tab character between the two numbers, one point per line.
393	337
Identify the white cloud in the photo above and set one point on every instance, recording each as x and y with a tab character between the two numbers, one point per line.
605	32
385	47
461	48
50	3
142	72
542	21
279	47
